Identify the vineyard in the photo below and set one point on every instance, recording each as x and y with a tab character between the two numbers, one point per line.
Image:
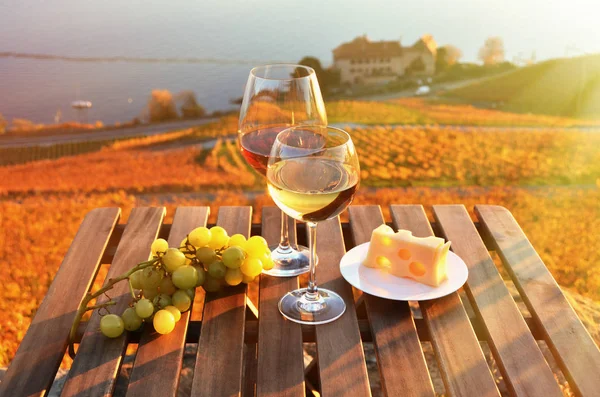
430	156
549	178
406	111
421	111
454	114
20	155
390	157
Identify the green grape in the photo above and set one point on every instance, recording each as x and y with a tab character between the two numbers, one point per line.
267	262
259	239
200	237
219	237
175	312
217	270
256	246
233	276
151	277
211	284
173	259
111	325
181	300
201	275
191	292
237	240
131	320
185	277
166	286
251	267
144	308
268	251
247	279
265	256
164	322
161	301
159	245
206	255
150	293
233	257
136	280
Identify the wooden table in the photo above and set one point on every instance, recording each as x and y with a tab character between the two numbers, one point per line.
239	354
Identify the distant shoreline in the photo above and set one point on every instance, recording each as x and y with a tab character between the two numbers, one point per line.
51	57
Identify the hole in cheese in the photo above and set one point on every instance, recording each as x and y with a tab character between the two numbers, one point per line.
417	268
386	241
404	254
383	261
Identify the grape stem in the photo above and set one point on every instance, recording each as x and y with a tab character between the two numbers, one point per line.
83	307
131	291
100	306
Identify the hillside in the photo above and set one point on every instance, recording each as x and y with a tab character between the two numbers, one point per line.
562	87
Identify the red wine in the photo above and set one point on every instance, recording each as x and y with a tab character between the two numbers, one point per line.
256	146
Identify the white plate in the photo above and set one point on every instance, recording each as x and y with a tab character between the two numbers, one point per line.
381	283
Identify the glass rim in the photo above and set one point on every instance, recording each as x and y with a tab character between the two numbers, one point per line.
311	71
325	127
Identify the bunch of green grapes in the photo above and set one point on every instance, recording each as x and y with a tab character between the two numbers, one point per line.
206	258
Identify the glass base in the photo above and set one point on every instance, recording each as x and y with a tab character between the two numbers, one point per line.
289	262
328	307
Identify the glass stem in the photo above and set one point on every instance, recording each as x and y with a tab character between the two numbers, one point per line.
284	240
312	291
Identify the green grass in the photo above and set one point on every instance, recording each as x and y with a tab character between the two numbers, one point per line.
562	87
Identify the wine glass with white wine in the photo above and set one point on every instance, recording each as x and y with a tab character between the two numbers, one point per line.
312	175
278	97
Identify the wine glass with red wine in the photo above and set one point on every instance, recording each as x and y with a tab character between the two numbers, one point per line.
278	97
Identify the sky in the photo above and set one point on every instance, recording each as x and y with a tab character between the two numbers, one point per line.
287	30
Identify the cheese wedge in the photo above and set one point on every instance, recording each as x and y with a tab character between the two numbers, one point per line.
404	255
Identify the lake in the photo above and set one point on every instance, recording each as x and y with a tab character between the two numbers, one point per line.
238	34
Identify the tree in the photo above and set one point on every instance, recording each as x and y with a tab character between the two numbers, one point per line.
161	106
492	51
3	124
416	66
447	56
23	125
190	108
453	54
327	78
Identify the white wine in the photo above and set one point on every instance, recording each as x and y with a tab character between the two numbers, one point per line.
312	189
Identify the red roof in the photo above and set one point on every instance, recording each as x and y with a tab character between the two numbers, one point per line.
362	47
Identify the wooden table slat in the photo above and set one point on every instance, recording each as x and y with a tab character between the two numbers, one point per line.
250	369
38	357
274	359
342	366
519	358
219	362
566	336
462	363
280	354
401	362
159	357
98	358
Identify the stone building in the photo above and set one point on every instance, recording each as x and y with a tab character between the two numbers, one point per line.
362	61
